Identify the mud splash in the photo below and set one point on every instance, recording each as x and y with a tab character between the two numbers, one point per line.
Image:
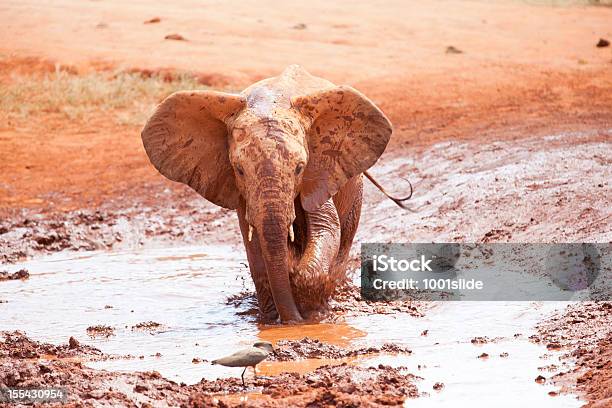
168	311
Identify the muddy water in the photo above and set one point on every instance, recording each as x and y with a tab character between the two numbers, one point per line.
447	355
186	291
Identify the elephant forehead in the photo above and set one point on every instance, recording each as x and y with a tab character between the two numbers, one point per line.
264	146
281	125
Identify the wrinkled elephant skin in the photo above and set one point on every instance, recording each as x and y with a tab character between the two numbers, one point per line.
288	155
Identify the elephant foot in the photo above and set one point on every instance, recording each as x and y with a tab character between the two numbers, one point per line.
265	303
273	318
268	317
267	309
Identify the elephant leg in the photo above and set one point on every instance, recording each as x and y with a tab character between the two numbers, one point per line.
311	279
348	203
267	309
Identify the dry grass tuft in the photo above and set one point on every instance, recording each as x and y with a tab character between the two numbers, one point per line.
127	97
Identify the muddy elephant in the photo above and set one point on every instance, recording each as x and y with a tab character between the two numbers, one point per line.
288	154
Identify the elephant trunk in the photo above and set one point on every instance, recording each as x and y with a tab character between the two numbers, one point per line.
273	231
314	280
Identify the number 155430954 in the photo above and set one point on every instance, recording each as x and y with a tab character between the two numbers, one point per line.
32	395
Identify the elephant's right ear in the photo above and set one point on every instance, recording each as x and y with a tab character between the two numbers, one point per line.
186	140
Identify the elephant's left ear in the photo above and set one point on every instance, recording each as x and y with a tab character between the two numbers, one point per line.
347	136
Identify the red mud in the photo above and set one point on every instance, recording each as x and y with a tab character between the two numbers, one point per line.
147	326
100	331
584	331
290	350
348	302
17	345
20	274
342	385
25	363
469	74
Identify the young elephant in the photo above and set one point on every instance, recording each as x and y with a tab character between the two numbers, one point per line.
288	154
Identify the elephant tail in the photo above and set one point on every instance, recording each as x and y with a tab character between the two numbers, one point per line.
396	200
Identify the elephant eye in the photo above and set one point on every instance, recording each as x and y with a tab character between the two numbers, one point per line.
239	169
299	168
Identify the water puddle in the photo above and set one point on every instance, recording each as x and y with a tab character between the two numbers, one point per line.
186	291
183	289
447	355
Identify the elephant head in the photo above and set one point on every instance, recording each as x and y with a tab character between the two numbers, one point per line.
266	149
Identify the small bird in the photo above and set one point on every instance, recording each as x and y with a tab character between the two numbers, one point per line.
248	357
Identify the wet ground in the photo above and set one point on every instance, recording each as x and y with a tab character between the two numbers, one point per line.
172	310
582	331
132	284
175	310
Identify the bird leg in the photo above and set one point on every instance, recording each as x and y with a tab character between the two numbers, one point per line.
242	376
255	372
